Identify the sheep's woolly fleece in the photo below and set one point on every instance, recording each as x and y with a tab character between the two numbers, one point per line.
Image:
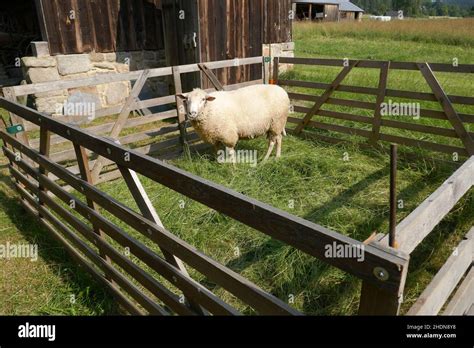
246	113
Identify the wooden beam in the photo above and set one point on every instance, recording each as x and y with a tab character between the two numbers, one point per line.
448	108
211	77
376	64
416	226
326	95
439	290
44	149
276	71
41	20
266	70
180	107
463	298
148	210
122	118
382	91
377	301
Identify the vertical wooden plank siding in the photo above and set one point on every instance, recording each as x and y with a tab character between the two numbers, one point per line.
102	25
231	29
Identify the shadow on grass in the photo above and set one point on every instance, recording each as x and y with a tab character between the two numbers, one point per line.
334	297
98	300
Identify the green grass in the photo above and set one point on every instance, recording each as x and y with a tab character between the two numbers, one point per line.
52	285
312	181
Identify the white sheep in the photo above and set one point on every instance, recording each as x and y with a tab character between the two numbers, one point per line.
247	113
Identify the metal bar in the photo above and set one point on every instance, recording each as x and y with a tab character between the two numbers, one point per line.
393	195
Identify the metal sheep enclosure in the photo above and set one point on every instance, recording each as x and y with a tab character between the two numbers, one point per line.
84	158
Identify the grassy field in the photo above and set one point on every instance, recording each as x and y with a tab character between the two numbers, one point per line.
312	181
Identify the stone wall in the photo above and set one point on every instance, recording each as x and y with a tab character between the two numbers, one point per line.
45	68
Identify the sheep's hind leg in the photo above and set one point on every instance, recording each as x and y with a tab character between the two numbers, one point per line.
279	140
270	149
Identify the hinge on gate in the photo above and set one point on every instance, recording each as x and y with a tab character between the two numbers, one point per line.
15	129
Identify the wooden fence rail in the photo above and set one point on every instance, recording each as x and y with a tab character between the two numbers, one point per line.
458	121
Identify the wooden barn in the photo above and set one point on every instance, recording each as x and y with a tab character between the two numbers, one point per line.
144	33
327	10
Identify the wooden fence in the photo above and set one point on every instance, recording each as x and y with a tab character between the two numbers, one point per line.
327	119
156	279
160	134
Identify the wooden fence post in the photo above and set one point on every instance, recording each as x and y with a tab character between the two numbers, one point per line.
276	71
9	94
266	69
44	149
380	99
83	163
180	109
377	301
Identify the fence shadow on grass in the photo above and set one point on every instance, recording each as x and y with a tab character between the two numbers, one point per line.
49	250
333	297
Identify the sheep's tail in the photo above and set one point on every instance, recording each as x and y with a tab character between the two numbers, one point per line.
284	132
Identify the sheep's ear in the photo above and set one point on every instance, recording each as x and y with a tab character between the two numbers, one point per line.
209	98
182	96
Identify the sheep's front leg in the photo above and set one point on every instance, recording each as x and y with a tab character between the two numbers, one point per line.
217	148
270	149
232	155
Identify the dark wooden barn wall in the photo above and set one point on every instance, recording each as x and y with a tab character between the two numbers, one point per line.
102	25
231	29
276	21
237	29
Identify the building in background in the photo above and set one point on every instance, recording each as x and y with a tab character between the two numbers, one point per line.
326	10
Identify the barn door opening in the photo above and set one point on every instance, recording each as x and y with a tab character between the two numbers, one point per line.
182	39
18	27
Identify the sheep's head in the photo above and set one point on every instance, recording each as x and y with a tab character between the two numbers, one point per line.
195	102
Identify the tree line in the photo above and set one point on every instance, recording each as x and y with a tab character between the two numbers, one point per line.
419	8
